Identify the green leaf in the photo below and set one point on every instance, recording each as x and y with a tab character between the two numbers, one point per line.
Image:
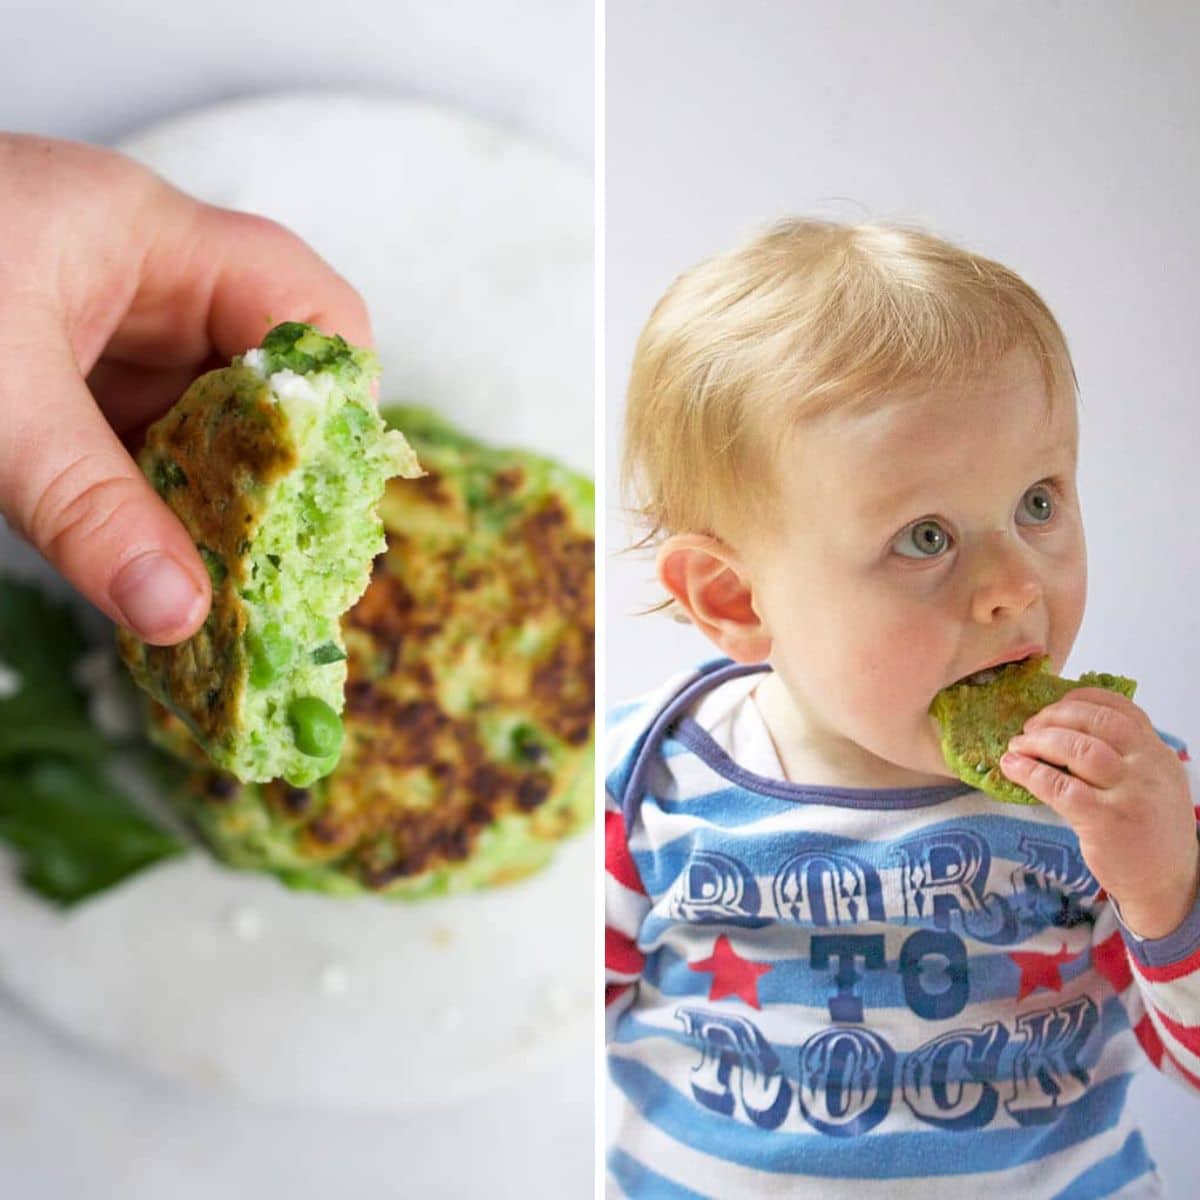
74	833
40	644
301	348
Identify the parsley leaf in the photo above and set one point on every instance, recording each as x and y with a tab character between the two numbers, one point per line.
74	830
41	709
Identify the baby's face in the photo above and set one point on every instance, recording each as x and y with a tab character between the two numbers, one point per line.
917	544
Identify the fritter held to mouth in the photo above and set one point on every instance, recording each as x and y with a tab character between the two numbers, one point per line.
977	720
469	701
276	466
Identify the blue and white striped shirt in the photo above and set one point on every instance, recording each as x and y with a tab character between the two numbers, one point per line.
844	992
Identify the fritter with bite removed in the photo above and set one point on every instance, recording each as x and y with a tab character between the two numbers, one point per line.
978	720
275	465
469	700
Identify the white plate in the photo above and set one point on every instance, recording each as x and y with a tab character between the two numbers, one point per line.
474	252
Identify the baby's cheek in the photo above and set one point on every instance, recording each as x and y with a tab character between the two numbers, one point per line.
914	653
887	679
1067	615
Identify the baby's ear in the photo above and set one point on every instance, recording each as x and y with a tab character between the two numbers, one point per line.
711	584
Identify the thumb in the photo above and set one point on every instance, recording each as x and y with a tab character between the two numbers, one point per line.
70	488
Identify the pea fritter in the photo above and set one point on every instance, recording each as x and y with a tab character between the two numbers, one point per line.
276	465
977	720
468	750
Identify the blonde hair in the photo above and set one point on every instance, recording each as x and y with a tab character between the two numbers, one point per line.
807	317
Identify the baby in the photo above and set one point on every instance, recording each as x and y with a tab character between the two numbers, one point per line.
833	970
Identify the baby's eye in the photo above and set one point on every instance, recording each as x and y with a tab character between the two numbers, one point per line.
1037	505
925	539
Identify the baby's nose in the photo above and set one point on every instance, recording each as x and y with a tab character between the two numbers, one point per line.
1006	582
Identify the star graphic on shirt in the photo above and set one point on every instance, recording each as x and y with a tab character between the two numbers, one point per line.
732	975
1041	970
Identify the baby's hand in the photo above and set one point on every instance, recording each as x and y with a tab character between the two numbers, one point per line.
1126	797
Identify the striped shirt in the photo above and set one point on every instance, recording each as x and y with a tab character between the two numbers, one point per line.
847	992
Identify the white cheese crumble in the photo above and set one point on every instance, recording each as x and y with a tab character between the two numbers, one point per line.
305	398
256	360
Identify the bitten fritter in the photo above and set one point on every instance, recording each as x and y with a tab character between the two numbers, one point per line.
276	466
977	720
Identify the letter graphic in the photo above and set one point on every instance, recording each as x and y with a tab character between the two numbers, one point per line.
823	887
946	1082
729	1042
945	872
1052	881
845	1081
1047	1075
715	887
946	1001
846	947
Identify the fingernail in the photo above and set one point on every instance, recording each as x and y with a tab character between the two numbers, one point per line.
1008	760
156	595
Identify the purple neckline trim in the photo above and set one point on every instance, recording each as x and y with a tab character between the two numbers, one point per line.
701	743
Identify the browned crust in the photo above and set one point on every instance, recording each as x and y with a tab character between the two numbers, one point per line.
213	456
417	782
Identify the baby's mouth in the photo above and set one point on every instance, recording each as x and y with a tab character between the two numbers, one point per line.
987	674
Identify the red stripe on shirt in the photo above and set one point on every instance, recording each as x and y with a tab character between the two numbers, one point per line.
1172	971
621	954
614	991
618	862
1111	959
1149	1040
1194	1080
1185	1035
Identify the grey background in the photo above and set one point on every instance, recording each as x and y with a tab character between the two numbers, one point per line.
71	1121
1059	138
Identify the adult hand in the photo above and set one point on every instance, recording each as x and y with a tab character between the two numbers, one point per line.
116	291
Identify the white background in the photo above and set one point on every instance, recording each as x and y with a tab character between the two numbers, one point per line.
1059	138
72	1122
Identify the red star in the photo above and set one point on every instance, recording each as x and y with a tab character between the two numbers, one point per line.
1041	970
732	976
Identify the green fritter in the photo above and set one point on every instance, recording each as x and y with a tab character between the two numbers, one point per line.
276	466
977	720
469	704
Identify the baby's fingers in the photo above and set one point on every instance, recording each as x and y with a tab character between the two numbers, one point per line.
1086	757
1102	715
1066	794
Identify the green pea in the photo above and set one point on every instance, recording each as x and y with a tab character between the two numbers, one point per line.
270	651
318	729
